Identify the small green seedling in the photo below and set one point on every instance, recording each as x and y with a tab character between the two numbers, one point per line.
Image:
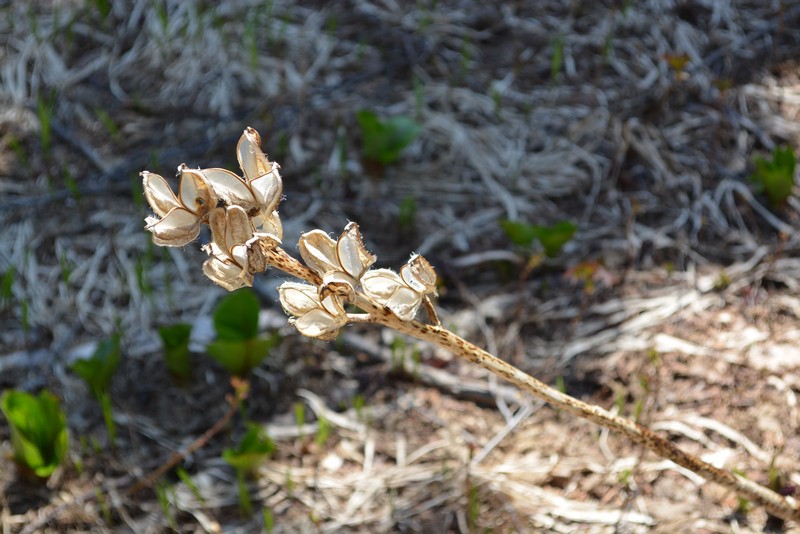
560	384
44	111
253	450
398	353
300	416
137	192
108	123
473	507
176	350
38	430
165	494
186	478
238	347
323	431
70	183
552	238
557	59
105	509
359	403
744	505
97	372
625	477
7	285
407	215
269	520
67	267
384	140
103	7
16	147
775	177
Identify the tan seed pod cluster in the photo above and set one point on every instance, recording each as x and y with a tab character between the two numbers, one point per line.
240	211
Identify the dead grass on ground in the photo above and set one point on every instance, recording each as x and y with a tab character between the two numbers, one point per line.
692	327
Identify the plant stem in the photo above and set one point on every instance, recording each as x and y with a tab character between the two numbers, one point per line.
245	502
105	405
784	507
776	504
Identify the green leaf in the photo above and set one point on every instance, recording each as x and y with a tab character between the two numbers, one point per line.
38	430
520	233
557	58
784	159
383	141
105	405
254	449
7	285
176	349
231	355
104	6
775	177
408	213
369	122
236	316
98	370
239	357
323	431
552	238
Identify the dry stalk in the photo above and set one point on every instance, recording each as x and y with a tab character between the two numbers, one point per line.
784	507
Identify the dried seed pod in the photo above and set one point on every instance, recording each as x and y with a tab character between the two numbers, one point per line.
402	293
312	316
340	263
178	218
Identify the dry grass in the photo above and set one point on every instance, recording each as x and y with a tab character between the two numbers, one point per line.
694	325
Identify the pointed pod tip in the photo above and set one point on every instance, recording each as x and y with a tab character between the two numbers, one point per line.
252	132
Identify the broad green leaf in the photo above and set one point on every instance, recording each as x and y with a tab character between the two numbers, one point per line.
775	177
38	430
254	449
519	232
383	141
399	132
369	122
236	316
231	355
176	349
778	187
552	238
785	159
239	357
98	370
